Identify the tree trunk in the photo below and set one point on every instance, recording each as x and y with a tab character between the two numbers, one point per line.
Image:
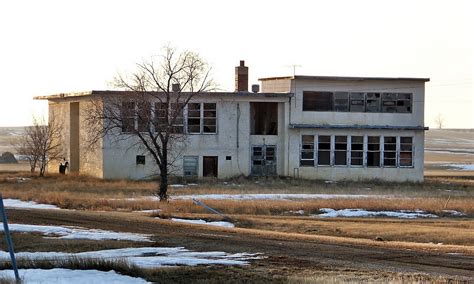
163	194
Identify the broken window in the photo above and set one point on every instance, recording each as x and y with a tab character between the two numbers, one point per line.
317	101
373	102
341	101
357	150
340	151
194	118
143	116
389	151
404	102
357	102
160	117
406	152
324	150
373	151
210	118
177	118
389	102
128	116
264	118
190	166
307	150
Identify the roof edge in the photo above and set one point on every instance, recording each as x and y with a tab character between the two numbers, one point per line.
345	78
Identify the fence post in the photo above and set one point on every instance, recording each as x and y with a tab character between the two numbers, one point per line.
8	238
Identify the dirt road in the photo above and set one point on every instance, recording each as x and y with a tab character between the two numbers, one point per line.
286	252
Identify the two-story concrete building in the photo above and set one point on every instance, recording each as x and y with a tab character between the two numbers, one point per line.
315	127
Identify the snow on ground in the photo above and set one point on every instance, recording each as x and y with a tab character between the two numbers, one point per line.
282	196
67	276
405	214
70	233
454	213
16	203
203	222
146	257
461	167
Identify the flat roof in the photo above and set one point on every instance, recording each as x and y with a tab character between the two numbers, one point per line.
345	78
116	92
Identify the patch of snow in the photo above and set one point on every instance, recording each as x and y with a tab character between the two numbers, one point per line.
146	257
281	196
203	222
148	211
405	214
454	213
70	233
16	203
461	167
67	276
299	212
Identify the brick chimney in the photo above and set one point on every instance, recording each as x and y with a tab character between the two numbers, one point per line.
241	77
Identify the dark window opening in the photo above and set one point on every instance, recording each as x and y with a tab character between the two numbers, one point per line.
373	151
128	116
324	150
194	118
406	151
317	101
340	148
140	160
264	118
209	166
404	102
210	118
390	151
228	158
307	151
357	150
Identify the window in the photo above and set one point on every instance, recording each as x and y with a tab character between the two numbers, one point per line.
160	117
389	102
357	102
128	116
317	101
140	160
373	151
307	150
389	151
324	150
209	125
190	166
177	118
264	118
404	102
228	158
144	114
406	152
373	102
340	151
194	118
357	150
341	101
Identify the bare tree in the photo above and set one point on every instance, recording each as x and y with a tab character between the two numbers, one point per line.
150	111
41	143
439	120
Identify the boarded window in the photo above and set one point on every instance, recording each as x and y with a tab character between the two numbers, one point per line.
357	150
190	166
373	151
324	150
264	118
341	101
128	116
194	118
373	102
210	118
340	150
389	151
317	101
406	151
357	101
307	151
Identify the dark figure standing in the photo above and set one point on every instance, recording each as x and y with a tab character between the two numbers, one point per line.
63	166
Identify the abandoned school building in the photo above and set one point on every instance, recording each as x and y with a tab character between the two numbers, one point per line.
315	127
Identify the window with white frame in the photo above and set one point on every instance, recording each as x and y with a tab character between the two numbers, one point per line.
406	152
357	150
202	118
390	151
340	150
373	151
324	150
210	118
176	114
194	118
307	151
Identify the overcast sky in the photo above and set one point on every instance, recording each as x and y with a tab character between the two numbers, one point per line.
49	47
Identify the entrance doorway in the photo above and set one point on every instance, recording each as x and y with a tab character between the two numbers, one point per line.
264	160
209	166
